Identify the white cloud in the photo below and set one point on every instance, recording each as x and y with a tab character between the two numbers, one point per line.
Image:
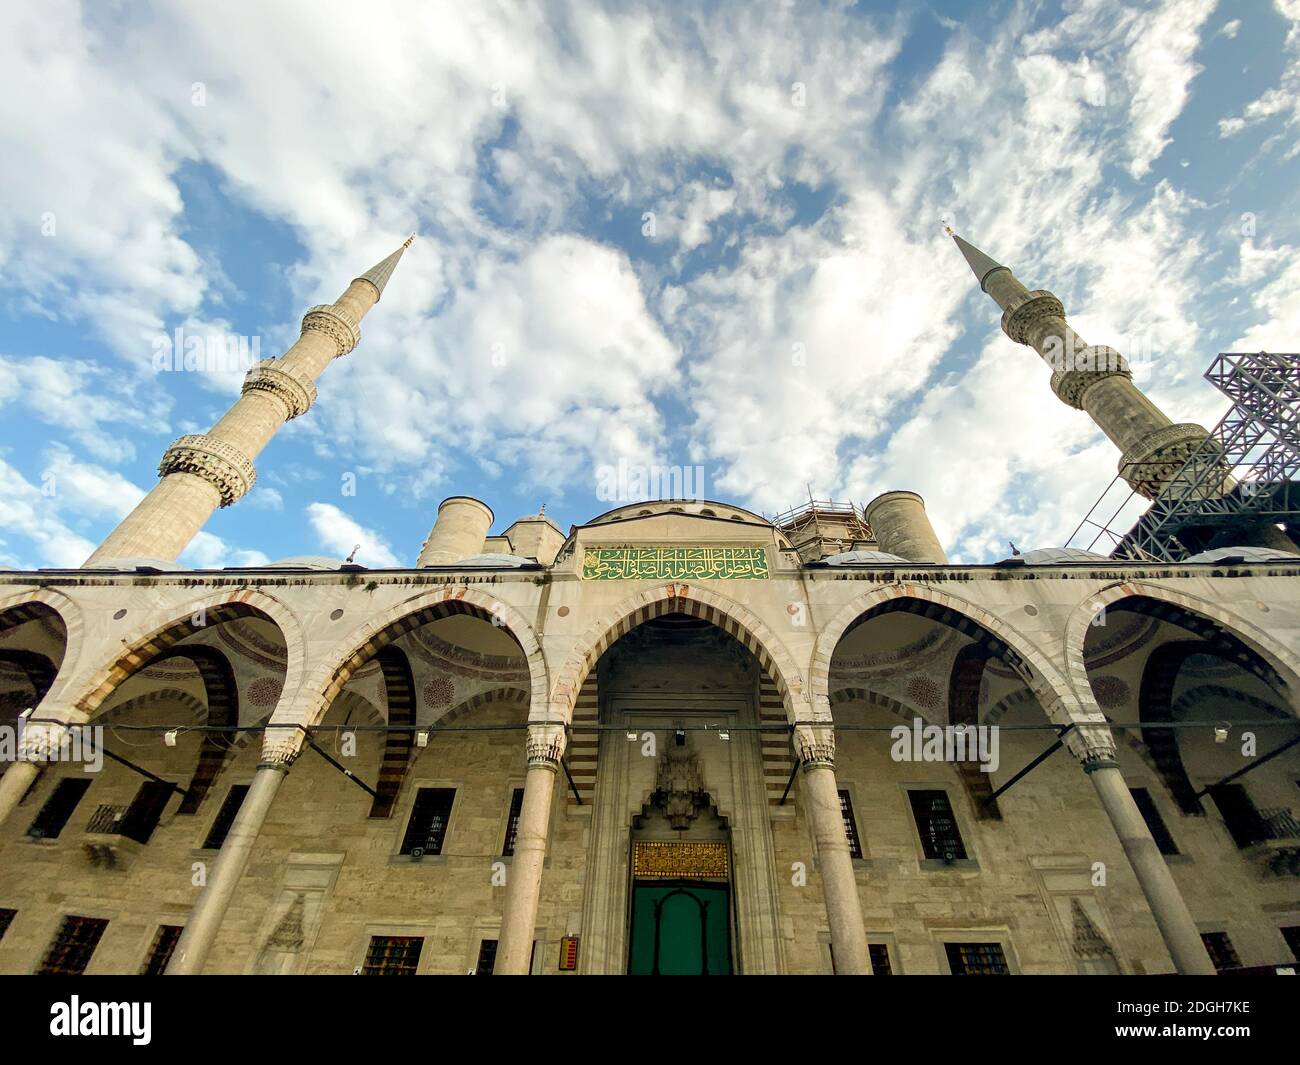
338	533
31	513
207	551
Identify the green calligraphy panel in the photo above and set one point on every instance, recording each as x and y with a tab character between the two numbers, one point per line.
675	564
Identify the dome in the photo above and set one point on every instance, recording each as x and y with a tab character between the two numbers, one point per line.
167	565
1245	554
866	558
306	562
1051	556
491	559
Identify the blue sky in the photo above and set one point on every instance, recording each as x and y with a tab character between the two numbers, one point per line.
663	237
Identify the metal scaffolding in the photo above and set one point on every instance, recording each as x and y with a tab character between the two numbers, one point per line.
1245	473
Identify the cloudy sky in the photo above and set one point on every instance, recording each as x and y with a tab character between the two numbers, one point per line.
650	236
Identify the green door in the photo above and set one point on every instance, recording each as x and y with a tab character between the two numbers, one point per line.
680	929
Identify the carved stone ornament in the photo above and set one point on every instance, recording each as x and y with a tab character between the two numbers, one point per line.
1093	364
679	785
1153	462
336	323
816	747
224	467
1019	322
297	394
545	746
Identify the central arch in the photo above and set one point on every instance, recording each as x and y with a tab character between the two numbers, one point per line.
728	615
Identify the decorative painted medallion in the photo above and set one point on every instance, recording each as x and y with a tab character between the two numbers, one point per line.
679	861
675	563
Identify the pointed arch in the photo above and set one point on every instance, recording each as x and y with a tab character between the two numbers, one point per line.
399	693
154	638
1030	662
323	683
1240	641
726	614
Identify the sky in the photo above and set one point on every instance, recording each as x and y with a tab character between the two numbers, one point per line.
705	239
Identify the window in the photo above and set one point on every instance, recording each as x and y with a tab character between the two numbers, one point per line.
225	818
146	810
977	959
7	918
75	942
487	957
512	821
850	825
879	959
1240	817
1290	934
393	956
427	828
1222	953
1159	832
937	825
58	808
160	953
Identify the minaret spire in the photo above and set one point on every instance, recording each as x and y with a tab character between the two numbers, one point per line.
202	472
1091	378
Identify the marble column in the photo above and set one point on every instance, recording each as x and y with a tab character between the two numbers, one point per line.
1095	748
545	747
223	878
816	749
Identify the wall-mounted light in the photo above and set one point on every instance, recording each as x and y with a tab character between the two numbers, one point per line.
723	734
422	738
631	735
1221	733
169	737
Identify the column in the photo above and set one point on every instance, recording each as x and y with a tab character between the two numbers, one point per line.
545	747
205	920
816	748
1167	906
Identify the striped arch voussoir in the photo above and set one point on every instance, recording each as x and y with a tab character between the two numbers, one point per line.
727	615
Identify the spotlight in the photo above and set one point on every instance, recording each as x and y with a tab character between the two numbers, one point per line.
724	734
169	737
422	738
1221	733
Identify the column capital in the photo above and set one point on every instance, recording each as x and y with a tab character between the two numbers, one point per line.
222	465
815	745
1093	745
270	376
340	325
545	746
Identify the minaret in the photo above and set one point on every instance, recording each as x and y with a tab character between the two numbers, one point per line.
200	473
1090	378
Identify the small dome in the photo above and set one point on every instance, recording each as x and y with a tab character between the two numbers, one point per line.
306	562
866	558
1246	554
492	559
1050	556
164	564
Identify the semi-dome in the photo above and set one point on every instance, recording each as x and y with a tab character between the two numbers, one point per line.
1050	556
865	558
167	565
307	562
1246	554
